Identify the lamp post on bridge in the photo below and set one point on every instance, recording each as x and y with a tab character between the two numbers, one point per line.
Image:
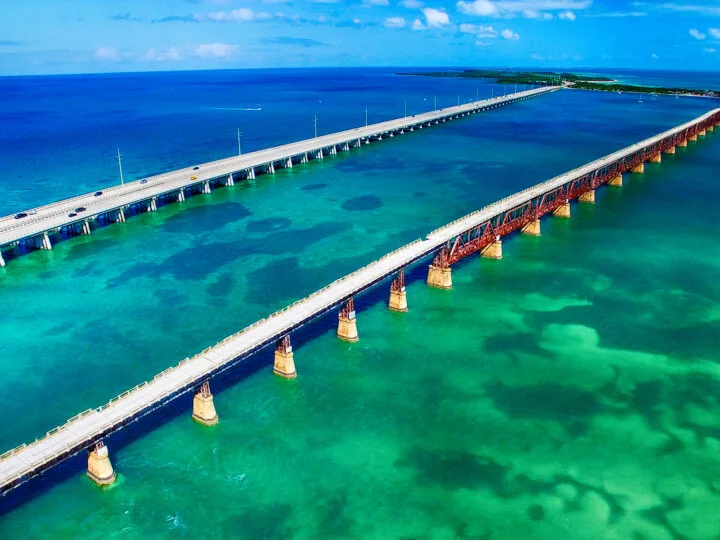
435	103
122	181
315	121
406	108
366	118
239	147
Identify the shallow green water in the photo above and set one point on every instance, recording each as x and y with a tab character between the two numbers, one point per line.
570	390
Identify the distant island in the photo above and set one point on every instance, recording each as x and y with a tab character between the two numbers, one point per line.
568	80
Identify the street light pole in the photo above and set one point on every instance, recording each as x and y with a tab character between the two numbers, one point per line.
315	122
365	116
436	103
122	181
406	108
239	147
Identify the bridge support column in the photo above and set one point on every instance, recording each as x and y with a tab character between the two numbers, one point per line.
206	188
588	197
203	406
617	181
289	163
398	294
346	147
120	216
683	144
319	155
333	151
181	196
284	362
562	211
86	227
439	272
347	324
639	169
701	133
670	150
493	251
152	205
710	128
100	470
45	241
230	181
251	173
532	228
2	261
271	168
656	159
692	138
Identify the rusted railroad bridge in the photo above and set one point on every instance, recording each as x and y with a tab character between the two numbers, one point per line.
38	228
479	232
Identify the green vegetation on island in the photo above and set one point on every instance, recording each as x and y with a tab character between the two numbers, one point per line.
568	80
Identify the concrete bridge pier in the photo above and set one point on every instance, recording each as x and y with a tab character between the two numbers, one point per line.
347	324
333	150
284	361
346	147
152	205
701	133
683	144
656	158
692	138
289	163
670	150
100	470
203	406
588	197
398	294
206	188
230	181
710	128
638	169
439	272
251	173
563	210
2	261
617	181
45	241
120	216
86	227
319	154
181	196
532	228
493	251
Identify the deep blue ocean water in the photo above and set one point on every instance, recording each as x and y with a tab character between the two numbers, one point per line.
570	390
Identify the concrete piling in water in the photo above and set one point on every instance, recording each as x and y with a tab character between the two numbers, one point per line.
656	158
398	294
230	181
319	155
701	133
710	128
439	272
692	138
617	181
587	197
2	261
120	216
251	173
683	144
493	251
206	188
284	365
86	227
45	241
203	406
532	228
638	169
289	163
347	324
99	469
181	196
563	210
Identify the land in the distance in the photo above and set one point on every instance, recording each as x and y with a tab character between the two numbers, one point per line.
569	80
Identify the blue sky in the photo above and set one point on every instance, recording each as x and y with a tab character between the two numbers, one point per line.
87	36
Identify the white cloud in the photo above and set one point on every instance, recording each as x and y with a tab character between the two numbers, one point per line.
654	56
236	15
106	53
170	54
369	3
435	18
696	8
411	4
617	14
509	34
395	22
417	25
567	16
710	50
480	43
531	9
480	30
714	32
478	7
216	50
697	34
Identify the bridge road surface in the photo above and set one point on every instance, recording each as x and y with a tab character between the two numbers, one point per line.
55	215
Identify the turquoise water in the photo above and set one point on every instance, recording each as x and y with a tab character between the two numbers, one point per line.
570	390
